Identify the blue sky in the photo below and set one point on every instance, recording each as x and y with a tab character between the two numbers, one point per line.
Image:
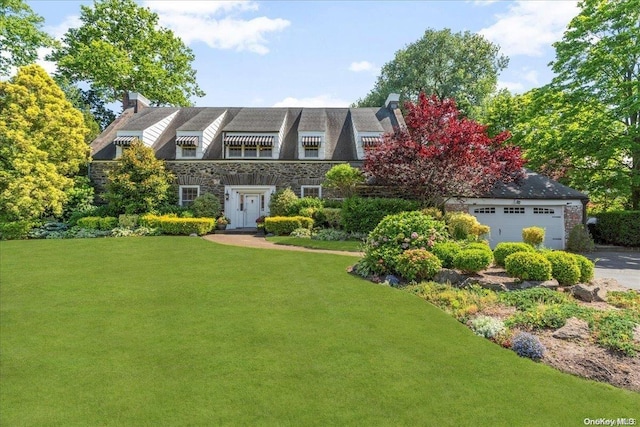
328	53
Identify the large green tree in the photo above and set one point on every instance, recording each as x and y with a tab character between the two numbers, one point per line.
463	66
119	47
20	35
41	146
598	62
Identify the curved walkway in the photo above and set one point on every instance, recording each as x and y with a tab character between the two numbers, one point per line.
252	241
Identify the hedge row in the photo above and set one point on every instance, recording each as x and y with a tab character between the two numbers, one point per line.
178	226
618	228
284	225
362	215
98	223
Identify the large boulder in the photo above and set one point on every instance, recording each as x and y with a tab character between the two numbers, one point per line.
596	290
451	277
574	329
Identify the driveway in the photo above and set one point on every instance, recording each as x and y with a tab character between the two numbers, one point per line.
622	266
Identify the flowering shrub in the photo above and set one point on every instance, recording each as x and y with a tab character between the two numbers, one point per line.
446	251
527	345
486	326
418	264
564	267
472	260
397	233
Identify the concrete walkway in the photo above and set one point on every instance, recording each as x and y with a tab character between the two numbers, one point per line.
252	241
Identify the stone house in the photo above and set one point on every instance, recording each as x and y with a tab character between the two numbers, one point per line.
243	155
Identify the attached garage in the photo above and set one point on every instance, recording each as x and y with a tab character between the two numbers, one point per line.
535	201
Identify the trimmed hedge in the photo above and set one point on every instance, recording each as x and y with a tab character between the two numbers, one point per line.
98	223
472	260
173	225
564	267
504	249
528	266
284	225
618	228
362	215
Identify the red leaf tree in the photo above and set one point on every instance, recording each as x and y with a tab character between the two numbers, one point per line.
441	155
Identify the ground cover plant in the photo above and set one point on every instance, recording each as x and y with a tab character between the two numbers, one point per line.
178	330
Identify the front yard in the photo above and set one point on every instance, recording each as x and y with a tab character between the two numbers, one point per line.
168	330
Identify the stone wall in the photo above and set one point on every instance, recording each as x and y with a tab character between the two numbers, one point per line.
573	215
213	175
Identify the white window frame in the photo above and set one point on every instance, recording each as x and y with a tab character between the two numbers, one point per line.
258	149
304	187
182	187
193	149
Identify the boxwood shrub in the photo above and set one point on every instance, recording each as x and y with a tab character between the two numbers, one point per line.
564	267
504	249
98	223
586	268
284	225
472	260
446	251
528	266
533	236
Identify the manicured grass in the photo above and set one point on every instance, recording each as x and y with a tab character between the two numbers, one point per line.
332	245
181	331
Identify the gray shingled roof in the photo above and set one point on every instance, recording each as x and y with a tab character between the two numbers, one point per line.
257	120
535	186
148	117
313	120
202	120
365	120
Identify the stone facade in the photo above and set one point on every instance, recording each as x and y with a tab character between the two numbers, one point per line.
213	175
573	215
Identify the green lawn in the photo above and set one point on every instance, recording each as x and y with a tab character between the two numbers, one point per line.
332	245
181	331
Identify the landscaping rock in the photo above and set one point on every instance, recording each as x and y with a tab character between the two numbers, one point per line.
551	284
487	284
574	329
587	293
449	276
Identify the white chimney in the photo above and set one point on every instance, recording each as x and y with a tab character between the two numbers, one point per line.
392	102
137	101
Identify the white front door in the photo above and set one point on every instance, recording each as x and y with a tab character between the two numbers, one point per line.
251	210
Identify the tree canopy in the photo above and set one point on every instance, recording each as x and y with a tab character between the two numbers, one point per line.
119	47
442	155
41	146
20	35
462	66
598	62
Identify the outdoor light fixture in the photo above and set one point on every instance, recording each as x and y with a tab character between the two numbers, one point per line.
226	195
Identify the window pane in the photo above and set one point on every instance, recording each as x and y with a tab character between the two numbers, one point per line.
250	152
311	191
188	151
266	152
235	151
189	194
311	152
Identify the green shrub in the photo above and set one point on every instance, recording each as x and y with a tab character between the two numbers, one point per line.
486	326
618	228
479	246
79	197
586	266
580	240
307	202
472	260
464	226
362	215
528	266
433	212
184	226
446	251
564	267
504	249
528	298
284	225
98	223
15	230
332	217
397	233
206	206
284	202
128	221
343	179
418	264
533	236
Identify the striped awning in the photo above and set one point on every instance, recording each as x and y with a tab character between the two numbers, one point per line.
187	140
124	140
369	141
261	140
311	141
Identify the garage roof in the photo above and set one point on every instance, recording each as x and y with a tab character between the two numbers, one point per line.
535	186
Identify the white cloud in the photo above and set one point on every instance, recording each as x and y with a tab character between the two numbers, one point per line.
361	66
57	31
530	76
530	26
513	87
195	21
484	2
317	101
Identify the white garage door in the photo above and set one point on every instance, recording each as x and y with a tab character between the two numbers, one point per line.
507	222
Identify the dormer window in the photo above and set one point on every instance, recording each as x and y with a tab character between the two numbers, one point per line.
311	146
249	146
187	146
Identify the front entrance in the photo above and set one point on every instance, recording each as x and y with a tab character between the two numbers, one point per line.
245	204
